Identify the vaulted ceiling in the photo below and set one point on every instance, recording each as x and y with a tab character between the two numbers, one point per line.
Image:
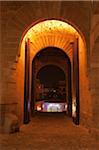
53	33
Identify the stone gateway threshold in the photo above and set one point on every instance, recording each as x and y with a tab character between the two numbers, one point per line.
49	131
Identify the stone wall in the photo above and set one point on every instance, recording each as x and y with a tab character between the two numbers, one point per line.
16	17
94	64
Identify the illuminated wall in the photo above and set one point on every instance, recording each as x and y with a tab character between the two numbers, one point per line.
60	34
15	19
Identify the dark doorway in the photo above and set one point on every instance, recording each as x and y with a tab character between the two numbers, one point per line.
49	75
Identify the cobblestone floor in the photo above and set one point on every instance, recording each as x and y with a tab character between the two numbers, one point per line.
49	132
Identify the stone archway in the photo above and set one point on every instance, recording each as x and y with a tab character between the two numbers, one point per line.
50	76
20	19
54	36
60	60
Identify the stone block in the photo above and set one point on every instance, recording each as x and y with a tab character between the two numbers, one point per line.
94	133
11	123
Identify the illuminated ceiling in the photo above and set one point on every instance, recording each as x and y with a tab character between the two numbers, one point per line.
52	33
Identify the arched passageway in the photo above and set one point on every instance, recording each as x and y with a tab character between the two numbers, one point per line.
59	34
49	89
51	74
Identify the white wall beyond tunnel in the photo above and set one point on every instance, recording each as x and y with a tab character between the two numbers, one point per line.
58	34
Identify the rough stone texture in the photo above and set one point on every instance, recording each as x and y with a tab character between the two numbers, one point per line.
94	64
50	132
11	123
16	17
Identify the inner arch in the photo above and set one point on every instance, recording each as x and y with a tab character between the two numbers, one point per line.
50	75
53	33
59	34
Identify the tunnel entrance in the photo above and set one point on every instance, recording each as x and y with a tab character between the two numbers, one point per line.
51	89
54	34
51	81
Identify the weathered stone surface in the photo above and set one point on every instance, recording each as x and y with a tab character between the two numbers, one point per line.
50	132
11	123
16	17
